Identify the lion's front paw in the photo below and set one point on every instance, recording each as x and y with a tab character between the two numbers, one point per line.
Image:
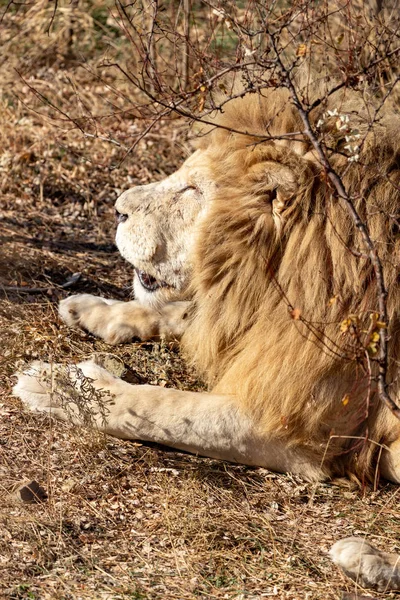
34	388
77	311
80	393
113	321
367	565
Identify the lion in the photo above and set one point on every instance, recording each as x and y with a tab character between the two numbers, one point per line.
247	255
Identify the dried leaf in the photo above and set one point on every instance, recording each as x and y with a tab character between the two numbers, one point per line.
301	50
372	348
346	323
344	326
345	400
295	314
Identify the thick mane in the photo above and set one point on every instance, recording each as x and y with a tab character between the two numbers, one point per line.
277	269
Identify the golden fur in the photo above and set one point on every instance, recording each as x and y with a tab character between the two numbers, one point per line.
297	376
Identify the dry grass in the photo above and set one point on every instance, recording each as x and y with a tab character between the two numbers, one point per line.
124	520
128	521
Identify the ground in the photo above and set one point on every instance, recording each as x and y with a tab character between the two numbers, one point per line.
123	520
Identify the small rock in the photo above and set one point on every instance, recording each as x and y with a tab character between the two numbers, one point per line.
116	366
112	363
30	492
68	485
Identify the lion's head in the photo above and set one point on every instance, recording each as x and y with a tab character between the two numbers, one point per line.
159	222
157	229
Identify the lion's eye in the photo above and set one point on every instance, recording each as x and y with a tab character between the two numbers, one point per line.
188	187
120	217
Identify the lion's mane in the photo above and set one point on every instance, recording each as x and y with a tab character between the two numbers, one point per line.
271	288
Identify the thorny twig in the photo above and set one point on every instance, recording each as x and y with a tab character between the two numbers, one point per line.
359	224
42	290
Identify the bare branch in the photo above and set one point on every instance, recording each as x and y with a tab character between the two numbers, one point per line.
359	224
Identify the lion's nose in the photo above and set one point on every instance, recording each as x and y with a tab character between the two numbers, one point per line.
121	217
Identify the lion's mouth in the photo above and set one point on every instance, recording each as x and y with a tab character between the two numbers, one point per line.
150	283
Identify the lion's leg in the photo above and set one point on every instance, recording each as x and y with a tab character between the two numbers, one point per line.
390	463
116	322
365	564
206	424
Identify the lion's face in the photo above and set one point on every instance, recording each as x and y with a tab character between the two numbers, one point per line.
158	223
157	227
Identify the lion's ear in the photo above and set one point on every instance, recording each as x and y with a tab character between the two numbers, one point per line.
280	200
